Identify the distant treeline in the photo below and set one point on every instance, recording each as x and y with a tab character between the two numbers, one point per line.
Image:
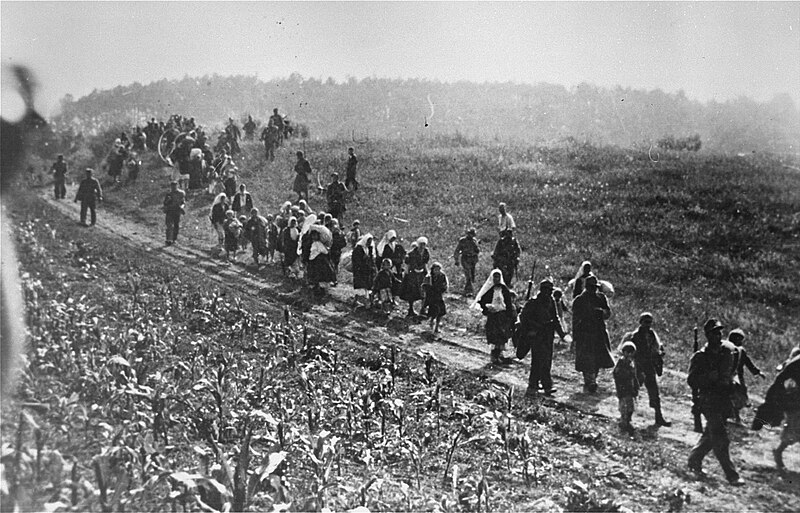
372	108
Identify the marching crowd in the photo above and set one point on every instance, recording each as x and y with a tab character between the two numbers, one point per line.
315	245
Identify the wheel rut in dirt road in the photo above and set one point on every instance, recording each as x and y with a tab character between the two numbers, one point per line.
460	348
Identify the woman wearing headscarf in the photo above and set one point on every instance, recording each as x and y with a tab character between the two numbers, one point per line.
416	262
576	283
217	216
303	205
337	245
282	219
494	300
364	269
290	238
318	265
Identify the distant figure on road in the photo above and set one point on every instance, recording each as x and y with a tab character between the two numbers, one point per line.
466	255
270	136
504	220
249	128
350	180
335	194
649	361
592	346
506	255
627	385
89	193
302	170
59	170
174	202
276	120
711	372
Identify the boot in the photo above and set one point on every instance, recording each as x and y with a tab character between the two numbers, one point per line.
660	420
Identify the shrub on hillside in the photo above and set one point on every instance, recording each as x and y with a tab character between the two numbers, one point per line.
691	143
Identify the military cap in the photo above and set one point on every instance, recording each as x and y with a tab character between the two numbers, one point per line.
545	284
591	280
712	324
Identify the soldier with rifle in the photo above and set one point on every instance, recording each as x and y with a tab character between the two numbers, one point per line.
538	323
711	372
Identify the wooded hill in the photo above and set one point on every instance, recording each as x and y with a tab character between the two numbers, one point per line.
372	108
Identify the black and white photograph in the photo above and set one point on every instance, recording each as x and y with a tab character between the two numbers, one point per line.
369	256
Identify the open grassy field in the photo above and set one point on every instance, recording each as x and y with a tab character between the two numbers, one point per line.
683	235
150	388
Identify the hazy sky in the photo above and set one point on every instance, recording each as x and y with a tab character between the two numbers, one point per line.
711	50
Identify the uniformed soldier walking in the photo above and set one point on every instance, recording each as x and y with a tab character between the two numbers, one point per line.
711	372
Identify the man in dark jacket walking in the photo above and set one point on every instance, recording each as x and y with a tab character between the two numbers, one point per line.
89	193
173	210
711	372
59	170
466	255
539	322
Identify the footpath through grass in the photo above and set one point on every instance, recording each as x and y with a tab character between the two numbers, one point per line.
682	235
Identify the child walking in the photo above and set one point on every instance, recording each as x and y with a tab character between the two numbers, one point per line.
385	280
435	285
627	386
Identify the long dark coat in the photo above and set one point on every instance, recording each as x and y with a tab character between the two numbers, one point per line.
592	345
364	270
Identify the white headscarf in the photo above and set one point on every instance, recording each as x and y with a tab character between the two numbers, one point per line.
488	284
307	222
363	241
422	240
387	239
294	233
219	199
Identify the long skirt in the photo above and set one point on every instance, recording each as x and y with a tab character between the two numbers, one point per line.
411	289
320	271
498	328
